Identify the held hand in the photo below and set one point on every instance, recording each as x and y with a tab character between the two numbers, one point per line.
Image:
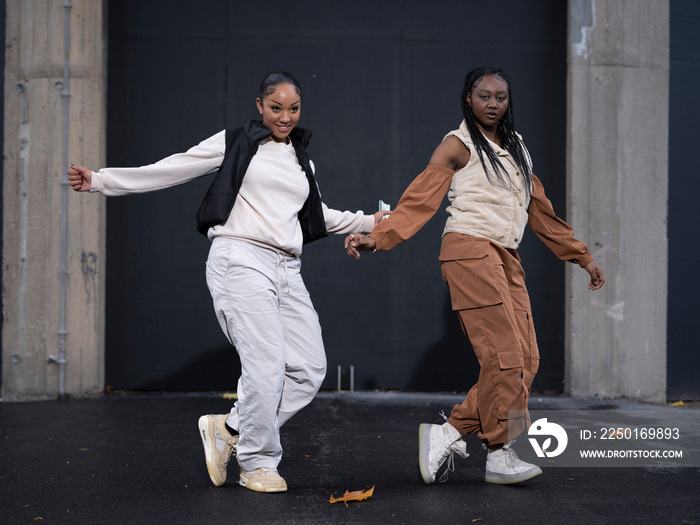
597	279
356	243
79	178
379	215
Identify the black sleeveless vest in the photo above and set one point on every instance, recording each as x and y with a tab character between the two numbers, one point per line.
241	145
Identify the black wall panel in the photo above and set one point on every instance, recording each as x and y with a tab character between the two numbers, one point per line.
382	82
2	171
683	212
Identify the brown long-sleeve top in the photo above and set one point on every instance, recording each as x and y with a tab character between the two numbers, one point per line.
424	195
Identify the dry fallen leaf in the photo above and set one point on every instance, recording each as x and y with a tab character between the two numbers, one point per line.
677	404
357	495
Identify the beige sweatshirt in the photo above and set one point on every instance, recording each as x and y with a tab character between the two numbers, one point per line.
266	209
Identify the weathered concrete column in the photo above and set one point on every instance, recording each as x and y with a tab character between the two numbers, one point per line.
618	188
34	137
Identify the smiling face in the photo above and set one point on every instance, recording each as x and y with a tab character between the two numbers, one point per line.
488	100
280	110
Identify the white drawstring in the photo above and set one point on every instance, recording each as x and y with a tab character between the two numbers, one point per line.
282	279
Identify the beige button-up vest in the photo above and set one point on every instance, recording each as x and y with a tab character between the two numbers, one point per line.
482	209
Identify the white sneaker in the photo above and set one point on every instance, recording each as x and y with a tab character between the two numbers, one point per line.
435	444
219	446
503	467
262	480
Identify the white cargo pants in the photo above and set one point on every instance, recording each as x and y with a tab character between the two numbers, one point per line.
265	311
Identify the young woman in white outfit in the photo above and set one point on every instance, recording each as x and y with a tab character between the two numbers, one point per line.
253	274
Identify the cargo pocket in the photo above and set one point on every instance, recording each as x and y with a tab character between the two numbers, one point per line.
528	341
509	386
509	359
470	272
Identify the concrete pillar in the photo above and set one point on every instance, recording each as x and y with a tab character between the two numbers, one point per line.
32	199
617	172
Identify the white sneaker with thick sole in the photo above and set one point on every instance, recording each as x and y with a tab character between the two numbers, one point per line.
503	467
262	480
219	445
435	444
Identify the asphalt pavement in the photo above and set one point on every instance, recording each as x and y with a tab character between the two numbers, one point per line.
128	458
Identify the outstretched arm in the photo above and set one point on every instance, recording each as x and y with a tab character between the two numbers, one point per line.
558	236
343	222
204	158
418	203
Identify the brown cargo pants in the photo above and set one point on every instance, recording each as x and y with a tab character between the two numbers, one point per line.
487	290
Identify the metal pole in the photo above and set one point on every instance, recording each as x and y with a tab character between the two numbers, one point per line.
65	101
